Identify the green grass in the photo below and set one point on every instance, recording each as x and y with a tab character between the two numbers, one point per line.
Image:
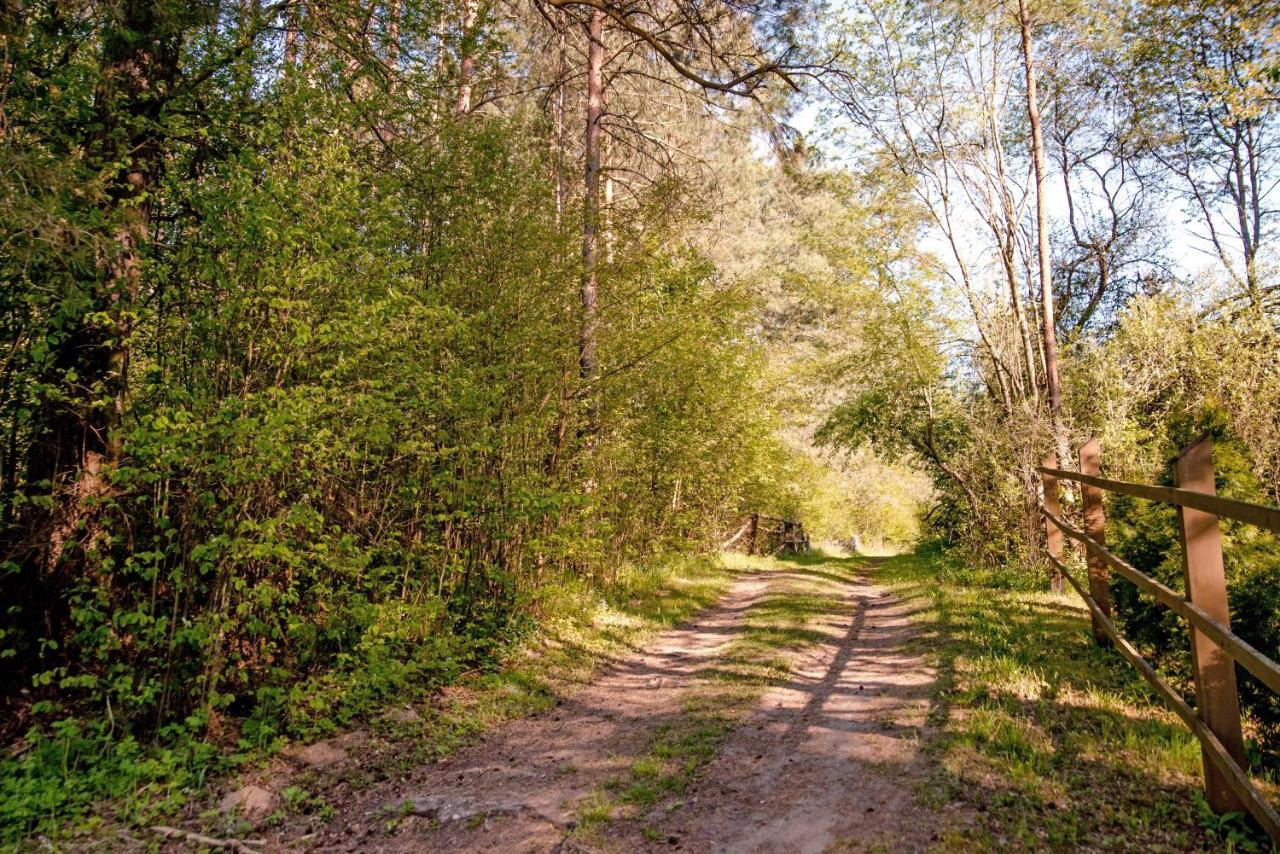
1053	741
579	627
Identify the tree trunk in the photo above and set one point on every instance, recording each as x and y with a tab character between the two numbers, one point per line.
467	68
291	35
560	111
587	364
81	436
1007	251
393	46
138	64
606	215
1005	231
1047	323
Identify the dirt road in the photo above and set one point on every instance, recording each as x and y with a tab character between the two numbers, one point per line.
827	757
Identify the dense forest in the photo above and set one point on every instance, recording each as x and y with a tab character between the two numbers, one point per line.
338	335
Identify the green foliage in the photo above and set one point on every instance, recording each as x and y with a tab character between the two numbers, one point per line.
72	763
346	455
1146	535
1165	378
61	771
1233	829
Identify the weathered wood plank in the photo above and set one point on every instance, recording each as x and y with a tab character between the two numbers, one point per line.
1243	511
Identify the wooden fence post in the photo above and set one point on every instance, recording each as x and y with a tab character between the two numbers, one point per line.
1215	671
1095	521
753	545
1053	537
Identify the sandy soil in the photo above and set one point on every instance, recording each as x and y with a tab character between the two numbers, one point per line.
827	761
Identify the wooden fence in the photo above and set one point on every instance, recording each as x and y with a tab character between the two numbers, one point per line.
1215	650
770	535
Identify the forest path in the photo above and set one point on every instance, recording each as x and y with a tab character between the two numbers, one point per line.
683	746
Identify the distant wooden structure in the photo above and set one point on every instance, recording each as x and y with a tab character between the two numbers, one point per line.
770	535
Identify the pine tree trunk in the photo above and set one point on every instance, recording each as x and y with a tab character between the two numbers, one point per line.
1047	324
587	363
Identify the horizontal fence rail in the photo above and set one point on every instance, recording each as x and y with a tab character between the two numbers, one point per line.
1215	648
1241	511
1237	777
1255	662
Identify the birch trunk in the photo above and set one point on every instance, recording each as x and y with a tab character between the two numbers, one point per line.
467	68
560	113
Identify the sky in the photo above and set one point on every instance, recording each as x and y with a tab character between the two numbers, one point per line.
1185	249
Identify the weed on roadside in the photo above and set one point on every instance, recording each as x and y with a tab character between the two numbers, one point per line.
81	782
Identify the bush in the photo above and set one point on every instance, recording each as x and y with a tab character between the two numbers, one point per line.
1146	535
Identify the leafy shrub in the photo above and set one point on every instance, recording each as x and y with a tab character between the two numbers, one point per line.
1146	535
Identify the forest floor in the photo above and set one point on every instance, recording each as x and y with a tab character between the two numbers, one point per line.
820	704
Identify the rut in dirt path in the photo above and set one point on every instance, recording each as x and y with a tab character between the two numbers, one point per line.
825	760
